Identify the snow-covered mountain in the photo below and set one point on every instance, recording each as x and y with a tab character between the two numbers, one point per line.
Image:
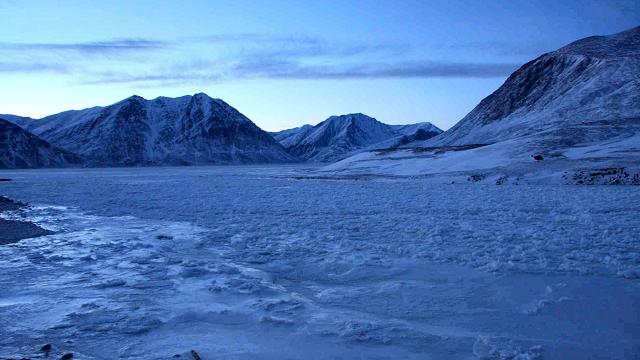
411	129
340	136
576	109
575	94
188	130
21	149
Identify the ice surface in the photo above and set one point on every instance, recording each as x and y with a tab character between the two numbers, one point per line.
248	262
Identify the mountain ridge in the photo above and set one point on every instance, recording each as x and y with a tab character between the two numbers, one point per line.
536	86
187	130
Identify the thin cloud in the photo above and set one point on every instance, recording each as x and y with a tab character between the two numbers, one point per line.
502	48
150	79
238	47
287	70
118	45
14	67
73	58
258	57
417	69
256	38
301	46
326	50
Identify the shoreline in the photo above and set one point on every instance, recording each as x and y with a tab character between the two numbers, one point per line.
12	231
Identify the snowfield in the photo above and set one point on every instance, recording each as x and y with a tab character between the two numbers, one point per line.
251	262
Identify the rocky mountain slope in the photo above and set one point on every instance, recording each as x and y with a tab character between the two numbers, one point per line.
21	149
583	89
340	136
568	111
188	130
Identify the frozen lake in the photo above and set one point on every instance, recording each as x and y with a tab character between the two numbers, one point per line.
248	262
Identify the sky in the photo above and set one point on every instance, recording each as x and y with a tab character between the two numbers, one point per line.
286	63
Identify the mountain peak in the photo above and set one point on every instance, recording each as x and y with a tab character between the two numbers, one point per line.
135	98
335	137
351	116
202	95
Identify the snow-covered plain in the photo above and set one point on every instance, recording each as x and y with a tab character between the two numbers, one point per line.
250	262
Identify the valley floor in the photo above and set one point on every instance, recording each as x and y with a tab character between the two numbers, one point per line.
251	262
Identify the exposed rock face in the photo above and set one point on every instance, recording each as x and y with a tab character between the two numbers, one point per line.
21	149
189	130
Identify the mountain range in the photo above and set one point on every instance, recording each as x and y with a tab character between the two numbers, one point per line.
566	115
571	115
188	130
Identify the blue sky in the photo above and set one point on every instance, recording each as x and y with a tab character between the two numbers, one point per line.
285	63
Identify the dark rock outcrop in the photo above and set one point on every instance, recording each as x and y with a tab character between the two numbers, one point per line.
12	231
